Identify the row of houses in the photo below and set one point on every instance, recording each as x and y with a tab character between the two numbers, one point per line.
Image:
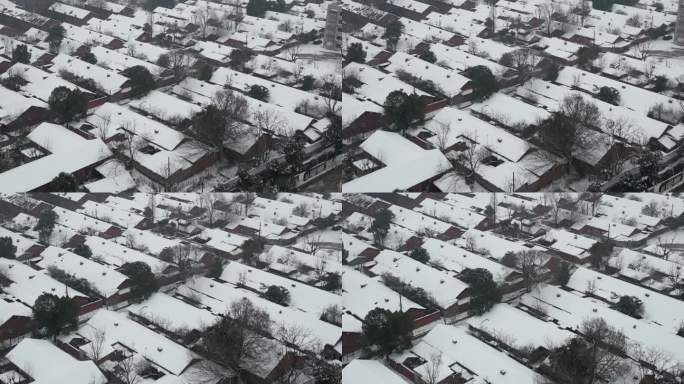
178	236
514	339
532	52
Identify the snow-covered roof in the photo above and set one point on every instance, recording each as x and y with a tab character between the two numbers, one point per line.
304	297
47	364
614	230
659	309
639	125
107	80
40	83
8	45
463	353
418	222
510	111
354	108
458	259
461	21
490	243
10	308
452	213
117	328
28	283
571	309
37	173
217	297
462	124
407	164
449	81
111	214
509	323
85	36
630	96
279	94
119	28
22	243
13	104
363	294
80	222
118	255
119	61
377	84
642	267
69	10
111	118
369	371
55	138
173	314
222	240
154	243
101	277
165	106
570	243
458	59
439	284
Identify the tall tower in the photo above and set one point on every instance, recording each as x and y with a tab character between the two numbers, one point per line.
332	37
679	27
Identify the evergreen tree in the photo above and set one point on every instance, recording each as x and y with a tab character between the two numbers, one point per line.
7	249
20	54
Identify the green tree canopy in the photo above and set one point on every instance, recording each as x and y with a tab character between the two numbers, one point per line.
393	32
141	81
46	224
356	53
278	294
64	182
483	81
55	313
21	54
7	248
67	103
420	254
403	109
258	92
381	224
143	282
257	8
389	331
484	293
83	250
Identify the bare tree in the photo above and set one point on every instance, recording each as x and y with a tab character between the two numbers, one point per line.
220	121
103	125
97	344
653	361
583	9
606	344
203	17
470	158
128	370
312	243
642	49
664	248
522	60
293	52
332	92
442	135
433	368
546	11
179	62
246	199
531	263
208	202
241	336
